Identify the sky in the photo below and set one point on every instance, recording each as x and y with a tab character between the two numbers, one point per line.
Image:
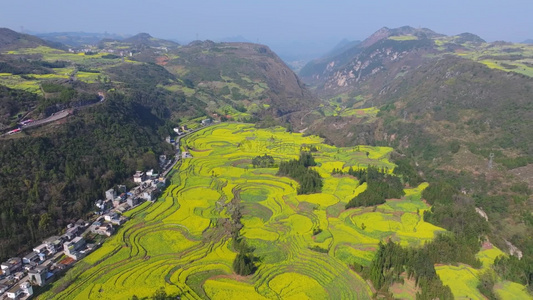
296	25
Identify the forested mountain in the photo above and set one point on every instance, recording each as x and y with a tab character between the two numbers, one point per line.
248	75
446	104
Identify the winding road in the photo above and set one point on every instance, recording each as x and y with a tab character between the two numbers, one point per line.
57	116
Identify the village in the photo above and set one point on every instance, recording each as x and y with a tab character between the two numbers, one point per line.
56	254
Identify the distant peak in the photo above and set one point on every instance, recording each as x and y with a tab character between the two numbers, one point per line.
382	33
142	35
386	32
203	44
469	37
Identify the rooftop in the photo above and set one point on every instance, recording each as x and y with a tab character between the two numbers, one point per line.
77	239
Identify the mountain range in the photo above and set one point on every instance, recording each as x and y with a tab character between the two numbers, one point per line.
445	104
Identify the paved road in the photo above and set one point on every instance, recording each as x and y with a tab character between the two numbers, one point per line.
57	116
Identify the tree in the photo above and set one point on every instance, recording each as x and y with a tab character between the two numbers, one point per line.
244	263
44	222
160	294
487	279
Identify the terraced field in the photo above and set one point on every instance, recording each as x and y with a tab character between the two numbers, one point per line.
463	279
508	57
182	242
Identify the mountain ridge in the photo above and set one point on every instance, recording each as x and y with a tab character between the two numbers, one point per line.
11	40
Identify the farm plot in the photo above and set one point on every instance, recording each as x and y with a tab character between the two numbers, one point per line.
182	242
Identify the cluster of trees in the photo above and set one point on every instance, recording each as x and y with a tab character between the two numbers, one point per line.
265	161
360	173
14	102
454	212
405	169
380	186
244	263
23	67
518	270
392	260
160	294
457	214
309	179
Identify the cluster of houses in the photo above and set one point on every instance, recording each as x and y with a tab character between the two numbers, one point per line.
88	50
149	185
37	267
40	265
117	202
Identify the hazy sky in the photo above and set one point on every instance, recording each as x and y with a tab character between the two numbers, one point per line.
272	22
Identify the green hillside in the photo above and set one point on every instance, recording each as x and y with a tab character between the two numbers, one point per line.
444	103
100	144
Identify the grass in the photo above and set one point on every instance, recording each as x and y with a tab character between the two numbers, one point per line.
297	286
181	241
230	289
17	82
403	38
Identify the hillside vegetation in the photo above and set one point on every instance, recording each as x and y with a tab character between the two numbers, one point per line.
54	173
444	104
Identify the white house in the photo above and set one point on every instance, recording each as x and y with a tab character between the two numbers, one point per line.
138	177
19	290
40	249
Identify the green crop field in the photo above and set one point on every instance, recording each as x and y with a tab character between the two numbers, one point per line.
511	290
181	242
462	280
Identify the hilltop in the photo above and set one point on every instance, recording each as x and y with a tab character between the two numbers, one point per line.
10	40
248	75
147	40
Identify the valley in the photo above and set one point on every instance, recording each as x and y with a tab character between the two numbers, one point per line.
182	240
406	112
